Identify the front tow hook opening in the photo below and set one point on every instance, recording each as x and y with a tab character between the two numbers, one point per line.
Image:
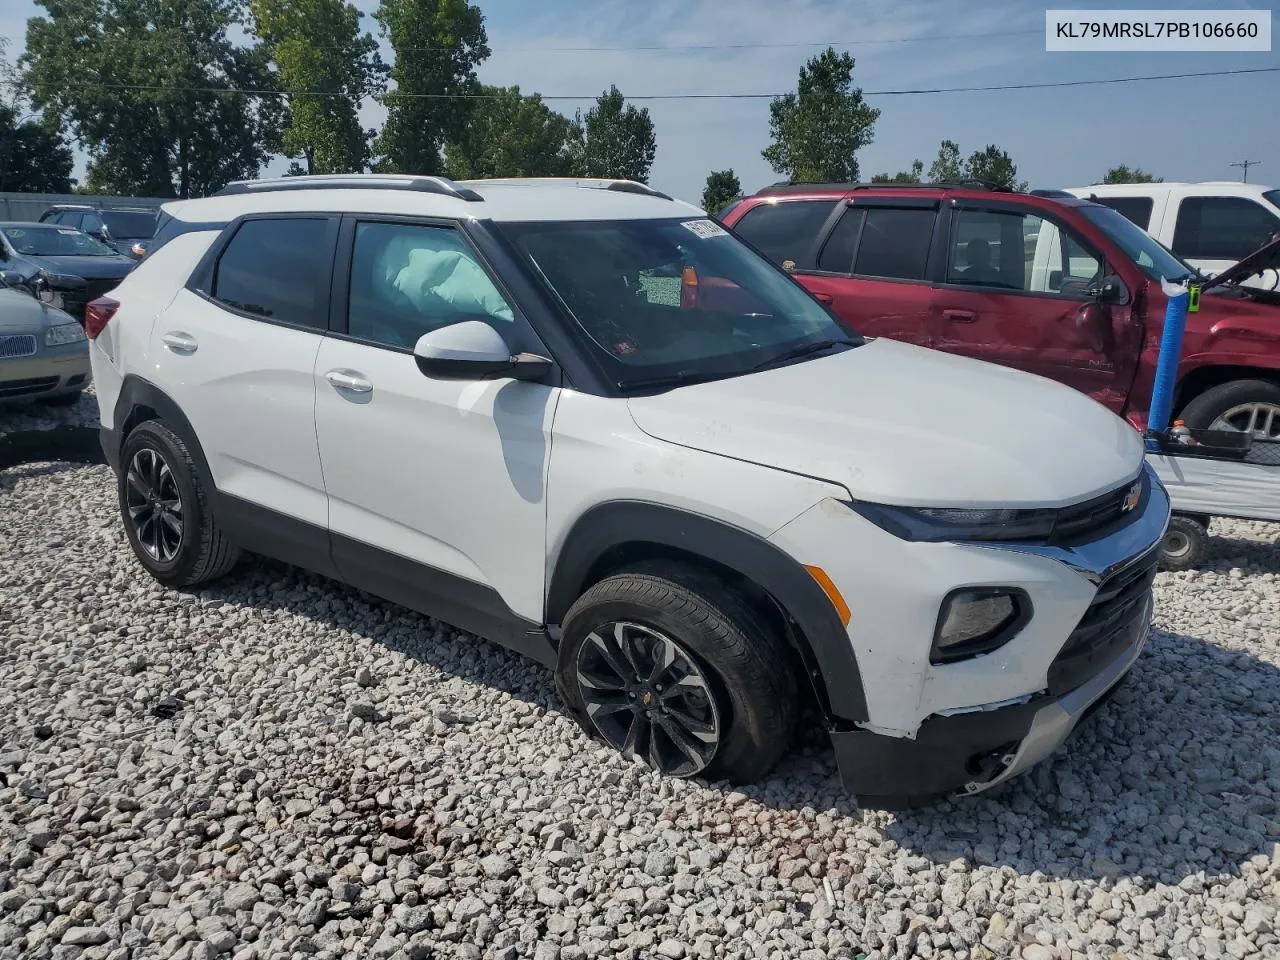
989	764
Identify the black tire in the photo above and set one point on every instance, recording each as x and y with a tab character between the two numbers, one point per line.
62	399
748	669
1184	544
202	552
1203	410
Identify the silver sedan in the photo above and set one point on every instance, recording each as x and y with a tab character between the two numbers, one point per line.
43	352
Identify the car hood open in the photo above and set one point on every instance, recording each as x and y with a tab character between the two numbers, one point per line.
1266	257
899	424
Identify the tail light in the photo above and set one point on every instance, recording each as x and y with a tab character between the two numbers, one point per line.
98	314
688	288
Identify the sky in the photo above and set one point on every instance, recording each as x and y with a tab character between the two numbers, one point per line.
1186	129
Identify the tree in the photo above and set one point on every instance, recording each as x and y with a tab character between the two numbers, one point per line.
317	46
903	176
512	135
143	85
947	167
1122	174
33	158
993	168
818	130
722	189
438	45
616	139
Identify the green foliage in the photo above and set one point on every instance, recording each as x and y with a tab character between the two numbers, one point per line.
947	167
512	135
721	190
1123	174
615	139
993	168
438	45
903	176
317	46
818	130
141	85
33	158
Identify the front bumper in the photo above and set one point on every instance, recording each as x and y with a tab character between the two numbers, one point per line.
971	752
50	372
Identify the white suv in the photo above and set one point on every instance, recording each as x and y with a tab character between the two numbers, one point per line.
1210	225
582	420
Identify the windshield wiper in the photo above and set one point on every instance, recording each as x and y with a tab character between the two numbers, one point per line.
681	379
804	350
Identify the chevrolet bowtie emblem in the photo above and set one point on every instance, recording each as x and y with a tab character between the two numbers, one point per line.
1131	498
648	698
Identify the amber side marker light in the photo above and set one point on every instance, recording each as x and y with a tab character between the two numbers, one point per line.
820	577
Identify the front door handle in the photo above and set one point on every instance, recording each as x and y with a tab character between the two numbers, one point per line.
824	298
349	380
959	316
180	342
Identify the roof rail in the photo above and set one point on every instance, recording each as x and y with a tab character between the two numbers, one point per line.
352	181
594	183
801	186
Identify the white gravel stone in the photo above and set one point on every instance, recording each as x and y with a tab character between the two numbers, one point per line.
347	779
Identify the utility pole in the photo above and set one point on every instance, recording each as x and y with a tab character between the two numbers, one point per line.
1246	164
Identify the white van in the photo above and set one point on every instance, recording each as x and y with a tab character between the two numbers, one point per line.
1210	225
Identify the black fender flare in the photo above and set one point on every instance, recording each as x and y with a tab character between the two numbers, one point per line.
137	393
620	522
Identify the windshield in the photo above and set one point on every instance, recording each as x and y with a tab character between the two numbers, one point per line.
674	300
129	226
56	242
1153	258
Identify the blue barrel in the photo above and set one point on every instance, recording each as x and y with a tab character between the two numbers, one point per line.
1175	324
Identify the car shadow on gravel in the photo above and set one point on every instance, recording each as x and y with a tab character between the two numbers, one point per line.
1177	773
1227	552
70	444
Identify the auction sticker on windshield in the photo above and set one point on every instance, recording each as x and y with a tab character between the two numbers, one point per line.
704	229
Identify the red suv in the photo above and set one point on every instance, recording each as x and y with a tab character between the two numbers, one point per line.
1057	286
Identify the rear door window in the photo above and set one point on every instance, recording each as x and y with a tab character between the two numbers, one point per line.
1222	228
278	270
1135	209
837	252
895	243
786	230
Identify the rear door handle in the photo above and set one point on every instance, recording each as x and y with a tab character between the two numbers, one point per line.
824	298
349	380
180	342
959	316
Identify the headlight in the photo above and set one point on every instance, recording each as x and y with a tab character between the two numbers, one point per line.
62	334
977	620
959	523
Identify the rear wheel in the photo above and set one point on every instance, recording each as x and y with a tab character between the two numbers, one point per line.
1245	406
165	510
1185	543
667	664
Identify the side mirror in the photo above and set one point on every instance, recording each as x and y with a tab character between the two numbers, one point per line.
1111	289
474	350
1093	324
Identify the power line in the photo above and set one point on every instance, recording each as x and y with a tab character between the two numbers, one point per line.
542	48
242	91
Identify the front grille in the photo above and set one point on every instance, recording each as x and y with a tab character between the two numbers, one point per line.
1096	518
1109	625
21	388
21	345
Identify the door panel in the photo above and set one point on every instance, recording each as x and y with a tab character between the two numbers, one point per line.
448	474
1012	291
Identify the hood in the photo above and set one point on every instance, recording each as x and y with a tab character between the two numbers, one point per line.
22	313
1266	257
91	268
902	425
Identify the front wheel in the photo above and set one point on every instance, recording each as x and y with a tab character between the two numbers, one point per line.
667	664
1245	406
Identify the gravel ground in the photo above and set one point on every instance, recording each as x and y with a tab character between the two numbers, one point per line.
276	766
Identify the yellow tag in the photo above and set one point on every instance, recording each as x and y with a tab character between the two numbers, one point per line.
1193	300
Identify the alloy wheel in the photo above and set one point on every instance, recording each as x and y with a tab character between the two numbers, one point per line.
154	505
648	698
1260	419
